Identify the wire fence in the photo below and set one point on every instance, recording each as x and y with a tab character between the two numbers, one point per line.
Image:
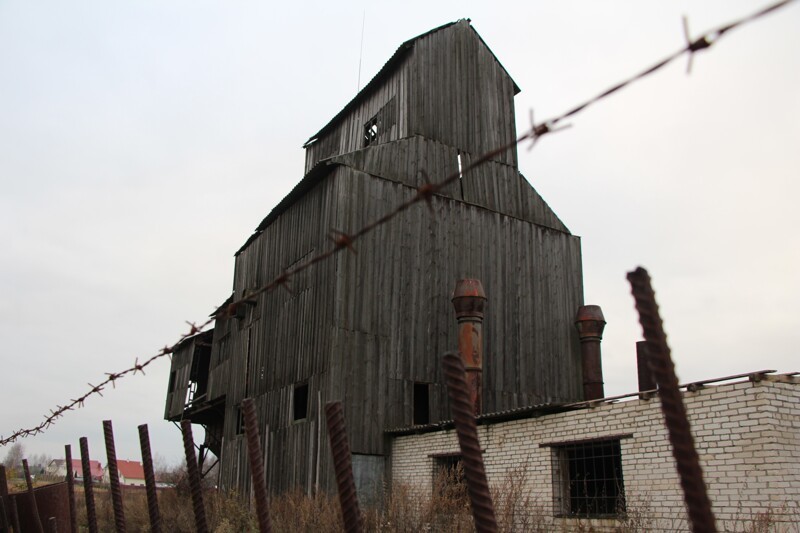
341	240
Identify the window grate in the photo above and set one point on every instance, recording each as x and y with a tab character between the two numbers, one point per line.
587	479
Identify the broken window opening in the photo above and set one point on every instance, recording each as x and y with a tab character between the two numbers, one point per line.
300	402
371	131
421	414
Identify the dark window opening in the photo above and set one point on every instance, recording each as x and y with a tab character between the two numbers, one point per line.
422	413
371	131
239	421
300	403
448	479
171	387
587	479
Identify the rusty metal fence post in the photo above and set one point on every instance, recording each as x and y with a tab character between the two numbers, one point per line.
70	478
88	493
256	464
194	478
14	514
337	436
113	476
701	517
149	480
37	521
478	488
5	506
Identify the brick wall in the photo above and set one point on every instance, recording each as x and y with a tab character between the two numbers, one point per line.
747	435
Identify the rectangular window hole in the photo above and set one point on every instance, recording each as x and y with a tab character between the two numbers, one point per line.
422	413
300	402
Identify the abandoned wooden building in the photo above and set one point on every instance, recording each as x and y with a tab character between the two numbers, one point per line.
369	328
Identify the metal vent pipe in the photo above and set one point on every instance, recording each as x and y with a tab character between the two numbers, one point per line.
591	323
469	301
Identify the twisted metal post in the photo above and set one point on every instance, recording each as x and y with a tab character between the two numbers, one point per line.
149	480
256	464
113	476
340	447
5	511
698	505
88	493
37	521
194	478
70	478
478	488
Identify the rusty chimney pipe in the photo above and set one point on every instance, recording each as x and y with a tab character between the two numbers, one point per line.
469	301
590	323
646	379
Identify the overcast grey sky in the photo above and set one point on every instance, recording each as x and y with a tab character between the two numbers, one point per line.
142	142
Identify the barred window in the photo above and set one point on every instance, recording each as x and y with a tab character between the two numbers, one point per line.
587	479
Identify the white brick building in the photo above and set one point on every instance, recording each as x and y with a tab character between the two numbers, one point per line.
608	463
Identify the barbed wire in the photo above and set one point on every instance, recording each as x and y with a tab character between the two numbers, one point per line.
425	192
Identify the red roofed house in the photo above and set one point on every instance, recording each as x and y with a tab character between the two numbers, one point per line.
58	467
130	473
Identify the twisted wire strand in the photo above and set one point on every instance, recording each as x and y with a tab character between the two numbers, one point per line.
256	460
149	480
113	475
194	478
687	461
340	448
464	420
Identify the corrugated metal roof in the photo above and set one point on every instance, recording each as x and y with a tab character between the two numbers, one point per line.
529	411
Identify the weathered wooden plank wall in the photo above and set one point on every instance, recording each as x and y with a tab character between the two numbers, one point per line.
181	366
460	94
394	318
389	99
365	327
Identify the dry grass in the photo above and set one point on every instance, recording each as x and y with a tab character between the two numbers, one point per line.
445	509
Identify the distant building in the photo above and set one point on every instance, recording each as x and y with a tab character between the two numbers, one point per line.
131	473
58	467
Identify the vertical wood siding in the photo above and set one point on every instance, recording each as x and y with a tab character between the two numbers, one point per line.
364	327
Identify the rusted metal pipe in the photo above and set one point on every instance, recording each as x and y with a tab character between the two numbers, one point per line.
14	514
469	301
194	478
701	516
37	521
590	324
5	507
70	478
113	476
464	420
256	464
340	446
149	480
88	493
